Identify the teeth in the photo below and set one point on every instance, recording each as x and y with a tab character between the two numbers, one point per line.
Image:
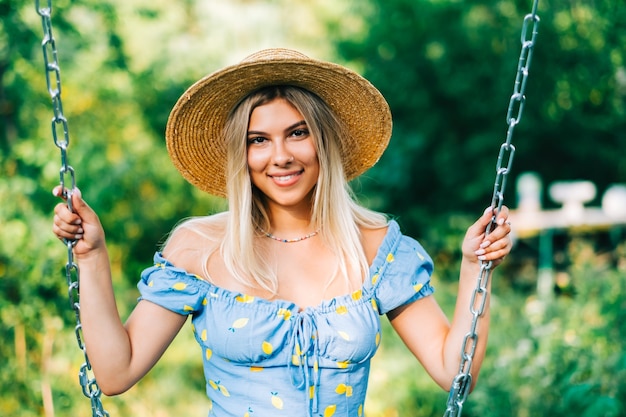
284	178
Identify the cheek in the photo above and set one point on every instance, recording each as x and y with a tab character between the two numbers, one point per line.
255	159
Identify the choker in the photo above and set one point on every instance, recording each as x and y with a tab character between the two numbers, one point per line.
298	239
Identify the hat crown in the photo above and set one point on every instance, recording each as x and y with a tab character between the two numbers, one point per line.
275	54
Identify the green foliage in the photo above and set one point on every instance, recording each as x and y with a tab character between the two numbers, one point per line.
447	69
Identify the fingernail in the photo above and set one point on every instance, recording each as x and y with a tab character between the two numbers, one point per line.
80	230
480	252
500	221
488	210
78	236
485	244
482	258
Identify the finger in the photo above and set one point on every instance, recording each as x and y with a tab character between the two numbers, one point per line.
65	230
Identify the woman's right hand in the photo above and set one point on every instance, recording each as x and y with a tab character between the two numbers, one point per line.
82	225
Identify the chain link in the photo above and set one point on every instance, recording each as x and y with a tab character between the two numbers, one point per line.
461	384
61	138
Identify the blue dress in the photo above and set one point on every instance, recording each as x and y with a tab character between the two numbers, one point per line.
268	359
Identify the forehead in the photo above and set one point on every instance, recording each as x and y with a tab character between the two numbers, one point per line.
273	114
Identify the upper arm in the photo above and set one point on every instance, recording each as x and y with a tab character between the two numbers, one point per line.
151	328
423	327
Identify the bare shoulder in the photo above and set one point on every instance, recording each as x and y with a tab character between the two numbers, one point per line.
371	240
191	242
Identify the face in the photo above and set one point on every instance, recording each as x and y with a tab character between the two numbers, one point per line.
282	159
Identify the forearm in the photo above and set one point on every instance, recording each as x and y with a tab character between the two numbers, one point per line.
105	336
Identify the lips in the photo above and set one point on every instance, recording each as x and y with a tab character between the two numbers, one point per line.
287	178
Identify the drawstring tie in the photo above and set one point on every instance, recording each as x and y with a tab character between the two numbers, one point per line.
303	341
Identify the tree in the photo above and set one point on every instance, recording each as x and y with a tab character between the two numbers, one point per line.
447	68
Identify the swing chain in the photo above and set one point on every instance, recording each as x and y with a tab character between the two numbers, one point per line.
60	135
461	384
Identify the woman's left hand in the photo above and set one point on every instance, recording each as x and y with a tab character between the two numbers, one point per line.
478	246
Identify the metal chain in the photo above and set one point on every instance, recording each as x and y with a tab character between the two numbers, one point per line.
60	135
461	384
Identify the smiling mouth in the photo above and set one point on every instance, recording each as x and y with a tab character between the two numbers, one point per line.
285	178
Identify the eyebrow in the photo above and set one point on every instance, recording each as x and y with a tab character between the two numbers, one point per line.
293	126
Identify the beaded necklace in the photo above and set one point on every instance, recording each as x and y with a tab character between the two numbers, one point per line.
298	239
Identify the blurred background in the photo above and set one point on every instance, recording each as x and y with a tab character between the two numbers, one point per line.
447	68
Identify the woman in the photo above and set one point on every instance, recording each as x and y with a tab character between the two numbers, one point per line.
285	288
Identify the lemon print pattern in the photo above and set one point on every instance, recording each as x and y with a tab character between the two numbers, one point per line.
330	410
244	298
343	389
309	362
267	348
239	323
284	313
277	402
219	387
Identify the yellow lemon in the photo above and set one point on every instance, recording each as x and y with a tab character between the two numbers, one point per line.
277	402
375	279
208	353
244	298
151	284
342	310
285	313
356	296
330	410
267	348
344	389
390	258
377	338
187	308
311	391
212	384
223	390
374	305
417	287
360	410
203	335
344	335
342	364
179	286
204	301
256	369
239	323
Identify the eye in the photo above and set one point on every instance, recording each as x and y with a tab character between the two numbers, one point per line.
256	140
300	132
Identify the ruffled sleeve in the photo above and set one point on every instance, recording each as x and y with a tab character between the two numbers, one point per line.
172	288
400	273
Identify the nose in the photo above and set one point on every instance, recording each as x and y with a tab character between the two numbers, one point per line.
281	156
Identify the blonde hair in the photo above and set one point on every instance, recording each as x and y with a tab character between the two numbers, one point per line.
335	212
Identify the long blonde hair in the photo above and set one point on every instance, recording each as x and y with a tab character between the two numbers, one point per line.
335	211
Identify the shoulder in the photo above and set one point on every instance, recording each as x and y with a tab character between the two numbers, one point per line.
193	239
371	239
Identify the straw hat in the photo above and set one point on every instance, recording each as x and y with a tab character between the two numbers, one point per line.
194	129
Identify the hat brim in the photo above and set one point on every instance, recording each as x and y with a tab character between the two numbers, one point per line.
194	128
